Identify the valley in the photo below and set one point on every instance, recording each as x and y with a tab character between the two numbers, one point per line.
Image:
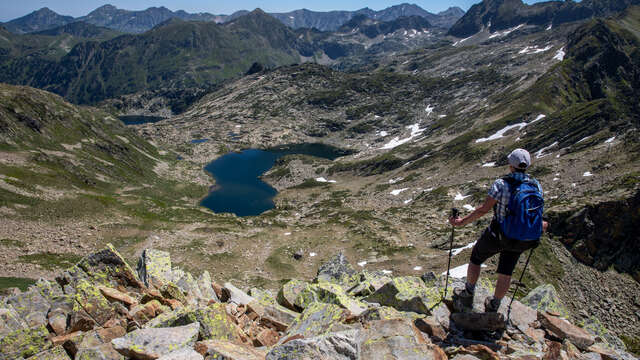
422	116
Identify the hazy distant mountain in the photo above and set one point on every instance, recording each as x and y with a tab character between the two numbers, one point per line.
496	15
372	28
140	21
81	29
332	20
39	20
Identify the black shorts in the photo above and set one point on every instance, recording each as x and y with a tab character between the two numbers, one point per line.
492	242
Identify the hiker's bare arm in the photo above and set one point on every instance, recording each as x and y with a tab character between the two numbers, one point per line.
545	226
476	214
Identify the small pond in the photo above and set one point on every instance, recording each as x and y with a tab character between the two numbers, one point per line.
239	189
139	119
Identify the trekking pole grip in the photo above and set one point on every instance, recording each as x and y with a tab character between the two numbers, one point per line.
455	212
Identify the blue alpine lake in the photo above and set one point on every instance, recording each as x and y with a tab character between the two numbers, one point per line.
139	119
239	189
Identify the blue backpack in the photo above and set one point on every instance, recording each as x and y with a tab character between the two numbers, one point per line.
523	220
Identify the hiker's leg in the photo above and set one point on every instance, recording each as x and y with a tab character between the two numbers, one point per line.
473	273
508	261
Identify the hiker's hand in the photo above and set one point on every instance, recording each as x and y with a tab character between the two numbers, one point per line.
455	221
545	226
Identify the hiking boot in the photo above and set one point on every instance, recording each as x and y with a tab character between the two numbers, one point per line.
462	299
491	304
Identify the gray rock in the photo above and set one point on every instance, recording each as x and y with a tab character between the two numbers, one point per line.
10	321
479	321
185	353
204	284
545	298
465	357
57	353
154	266
236	295
407	293
100	352
339	271
222	349
335	294
317	318
31	306
344	345
395	339
153	343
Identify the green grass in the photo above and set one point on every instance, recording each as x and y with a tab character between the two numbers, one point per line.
309	183
632	343
12	243
20	283
51	261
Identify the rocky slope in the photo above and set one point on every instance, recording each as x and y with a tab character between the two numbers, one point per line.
39	20
101	308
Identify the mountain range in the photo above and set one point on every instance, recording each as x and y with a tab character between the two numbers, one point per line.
140	21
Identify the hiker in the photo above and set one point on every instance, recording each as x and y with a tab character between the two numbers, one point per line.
493	240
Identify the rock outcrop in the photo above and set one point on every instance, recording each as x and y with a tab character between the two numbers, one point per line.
102	309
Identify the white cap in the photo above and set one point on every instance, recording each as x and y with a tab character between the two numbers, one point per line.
519	159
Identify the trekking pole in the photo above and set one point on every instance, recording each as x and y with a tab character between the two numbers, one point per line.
454	214
518	284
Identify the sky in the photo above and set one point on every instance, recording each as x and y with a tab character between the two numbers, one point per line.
11	9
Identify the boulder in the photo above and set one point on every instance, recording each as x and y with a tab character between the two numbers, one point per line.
100	352
563	329
56	353
334	294
93	302
31	306
213	319
386	313
318	318
372	281
343	345
115	295
278	316
296	295
61	309
186	353
25	342
596	328
339	271
236	295
406	293
10	321
479	321
395	339
154	267
107	267
431	327
204	284
221	349
545	298
152	343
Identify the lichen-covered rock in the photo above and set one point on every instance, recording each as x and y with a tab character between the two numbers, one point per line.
24	342
213	319
563	329
99	352
406	293
10	321
155	342
58	317
108	267
277	315
596	328
154	267
236	295
89	298
57	353
372	281
190	287
395	339
31	306
317	319
185	353
296	295
204	284
545	298
221	349
386	313
343	345
339	271
334	294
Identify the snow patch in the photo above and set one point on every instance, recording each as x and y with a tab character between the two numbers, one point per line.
323	180
587	174
312	254
538	118
463	40
500	133
429	109
583	139
417	268
287	234
362	263
530	50
610	140
505	32
408	201
387	272
559	55
541	153
398	191
393	181
457	251
415	131
489	164
460	271
382	133
460	197
469	207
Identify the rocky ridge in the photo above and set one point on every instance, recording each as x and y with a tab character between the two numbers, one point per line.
102	308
